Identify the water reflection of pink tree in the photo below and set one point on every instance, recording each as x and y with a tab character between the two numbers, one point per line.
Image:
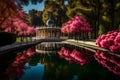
16	69
77	25
112	63
81	56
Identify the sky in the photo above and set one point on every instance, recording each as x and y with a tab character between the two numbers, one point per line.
38	6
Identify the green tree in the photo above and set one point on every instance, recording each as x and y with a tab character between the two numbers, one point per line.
57	10
26	2
98	12
35	18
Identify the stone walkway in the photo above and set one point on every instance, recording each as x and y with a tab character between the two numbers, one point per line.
91	46
24	45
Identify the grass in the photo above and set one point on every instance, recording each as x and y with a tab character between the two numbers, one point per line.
24	39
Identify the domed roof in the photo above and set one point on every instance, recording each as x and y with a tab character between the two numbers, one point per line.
50	21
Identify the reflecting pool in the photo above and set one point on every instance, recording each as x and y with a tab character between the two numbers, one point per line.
51	66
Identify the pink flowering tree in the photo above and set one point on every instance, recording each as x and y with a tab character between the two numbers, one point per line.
9	11
12	20
22	29
77	25
18	26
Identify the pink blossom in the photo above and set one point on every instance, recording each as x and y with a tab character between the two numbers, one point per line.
30	52
111	41
114	48
115	33
103	36
117	39
63	30
66	53
105	43
98	40
8	29
61	54
112	37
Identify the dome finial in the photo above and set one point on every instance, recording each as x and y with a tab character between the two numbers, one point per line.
50	21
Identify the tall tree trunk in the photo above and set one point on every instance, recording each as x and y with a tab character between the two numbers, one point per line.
112	10
98	16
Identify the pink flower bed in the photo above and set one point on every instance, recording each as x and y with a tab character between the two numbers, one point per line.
110	41
81	57
77	24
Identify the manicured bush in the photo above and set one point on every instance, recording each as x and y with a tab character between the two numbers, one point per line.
7	38
110	40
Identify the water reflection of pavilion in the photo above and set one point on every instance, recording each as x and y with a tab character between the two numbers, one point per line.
45	32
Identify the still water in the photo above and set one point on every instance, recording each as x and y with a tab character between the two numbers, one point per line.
52	67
